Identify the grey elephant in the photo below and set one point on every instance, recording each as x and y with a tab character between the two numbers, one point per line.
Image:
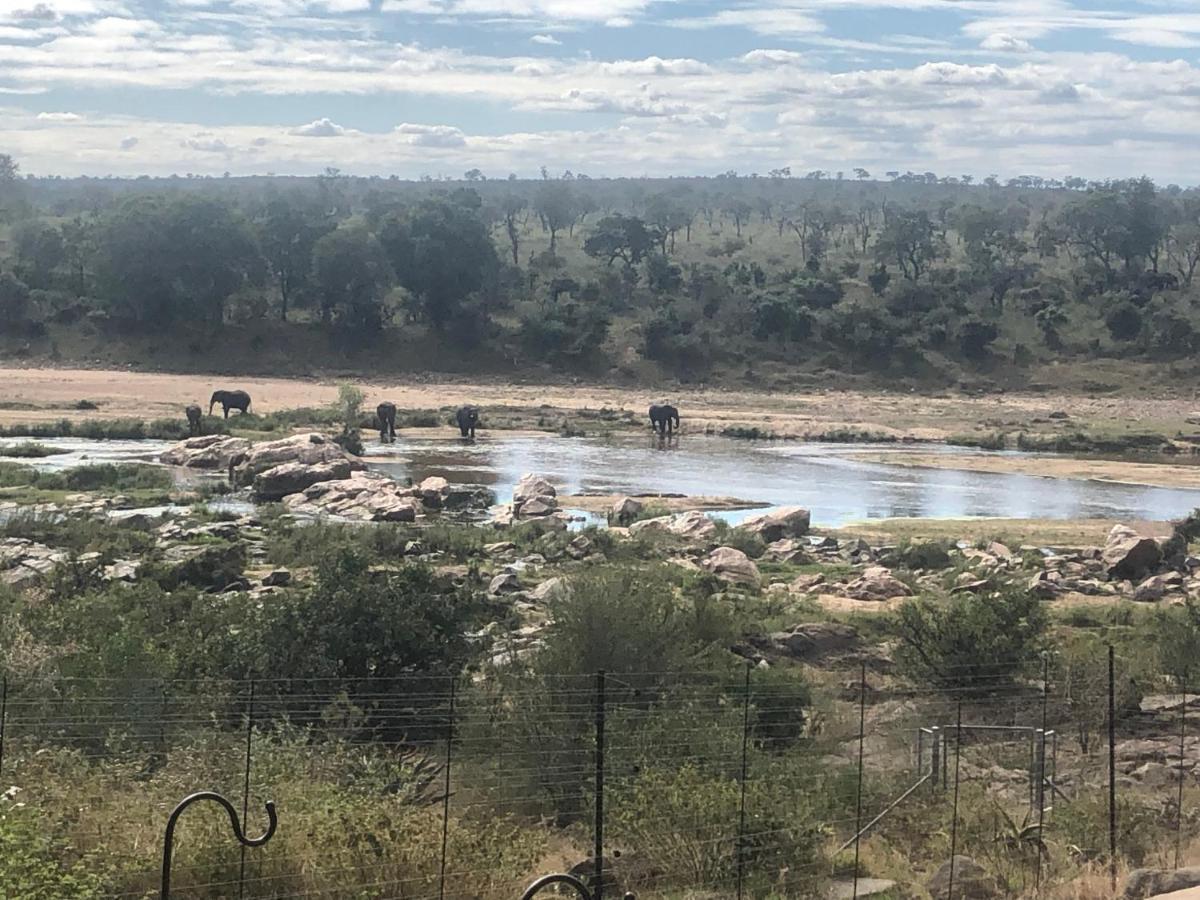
664	418
195	416
238	400
386	413
467	418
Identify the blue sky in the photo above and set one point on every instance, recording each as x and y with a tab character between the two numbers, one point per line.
619	87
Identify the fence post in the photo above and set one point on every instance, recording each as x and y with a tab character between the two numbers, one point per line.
741	855
934	751
3	717
1112	769
954	820
598	831
1182	735
446	793
862	736
246	785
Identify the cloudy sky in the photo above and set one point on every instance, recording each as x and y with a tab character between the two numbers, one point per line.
605	87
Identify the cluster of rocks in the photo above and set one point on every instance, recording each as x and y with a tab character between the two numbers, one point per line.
24	562
1129	565
535	499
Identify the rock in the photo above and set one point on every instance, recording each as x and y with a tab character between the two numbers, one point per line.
122	570
292	478
971	881
1044	587
805	583
502	517
303	449
732	565
789	551
1145	883
500	548
24	563
693	524
537	508
970	585
550	589
625	510
277	578
504	583
1128	554
531	486
214	451
865	888
363	496
785	522
580	547
433	491
659	525
1000	551
211	565
1153	588
816	640
877	583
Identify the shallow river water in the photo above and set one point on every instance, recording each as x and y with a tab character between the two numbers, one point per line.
832	480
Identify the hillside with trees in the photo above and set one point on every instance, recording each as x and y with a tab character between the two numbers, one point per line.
741	279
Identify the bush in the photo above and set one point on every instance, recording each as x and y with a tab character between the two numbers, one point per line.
115	477
970	643
39	865
925	554
1124	321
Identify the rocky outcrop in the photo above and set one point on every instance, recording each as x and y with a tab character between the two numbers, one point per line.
693	524
1144	883
1128	554
307	449
362	496
971	881
533	498
293	477
214	451
732	565
810	642
212	565
877	583
785	522
625	510
24	563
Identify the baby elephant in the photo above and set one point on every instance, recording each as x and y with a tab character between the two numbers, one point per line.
467	418
194	417
387	421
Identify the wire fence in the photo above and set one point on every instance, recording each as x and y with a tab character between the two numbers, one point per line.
742	784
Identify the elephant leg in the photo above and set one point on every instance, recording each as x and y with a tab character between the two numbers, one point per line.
226	412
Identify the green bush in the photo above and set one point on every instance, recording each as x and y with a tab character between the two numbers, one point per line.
38	865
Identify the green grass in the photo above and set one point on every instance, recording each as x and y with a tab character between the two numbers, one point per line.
995	440
108	429
30	450
105	477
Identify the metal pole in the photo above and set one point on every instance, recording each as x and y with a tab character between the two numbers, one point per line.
598	832
1041	792
1112	768
1179	803
446	794
741	860
935	745
862	736
246	785
954	820
3	717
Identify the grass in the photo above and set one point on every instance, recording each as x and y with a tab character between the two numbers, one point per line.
1011	532
108	429
994	440
105	477
30	450
1087	442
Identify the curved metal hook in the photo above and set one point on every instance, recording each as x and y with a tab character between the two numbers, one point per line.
169	837
570	880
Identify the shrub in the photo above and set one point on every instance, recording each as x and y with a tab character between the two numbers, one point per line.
39	865
924	554
1124	321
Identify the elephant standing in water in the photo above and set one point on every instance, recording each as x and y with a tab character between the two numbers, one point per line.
467	418
238	400
194	416
387	421
664	419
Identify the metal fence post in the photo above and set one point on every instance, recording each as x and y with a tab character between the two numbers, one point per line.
954	820
741	837
934	759
3	717
862	736
446	793
1112	769
246	785
598	831
1182	736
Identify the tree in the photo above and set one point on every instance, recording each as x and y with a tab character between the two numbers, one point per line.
443	254
1117	222
14	298
555	206
288	229
40	252
351	274
619	237
511	208
1124	321
740	209
13	204
908	238
668	216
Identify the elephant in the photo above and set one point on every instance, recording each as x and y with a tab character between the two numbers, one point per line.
467	418
386	413
664	418
238	400
194	416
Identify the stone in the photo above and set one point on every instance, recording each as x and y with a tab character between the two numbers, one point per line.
877	583
211	565
1145	883
310	449
580	547
1043	586
1152	589
504	583
122	570
363	496
293	477
1000	551
214	451
659	525
531	486
433	491
813	641
625	510
970	585
732	565
550	589
500	548
865	888
693	524
277	578
536	508
805	583
785	522
1128	554
971	881
788	551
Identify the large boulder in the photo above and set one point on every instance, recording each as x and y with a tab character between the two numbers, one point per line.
531	486
213	451
657	525
211	565
293	477
877	583
971	881
785	522
304	449
363	496
24	563
811	641
625	510
1144	883
693	524
1129	555
732	565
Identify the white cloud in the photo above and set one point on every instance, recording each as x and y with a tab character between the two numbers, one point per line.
59	117
548	39
129	142
431	135
323	127
205	143
1005	43
767	20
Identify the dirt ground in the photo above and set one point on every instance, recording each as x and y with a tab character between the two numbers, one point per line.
33	394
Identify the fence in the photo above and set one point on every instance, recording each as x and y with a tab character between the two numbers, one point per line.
743	784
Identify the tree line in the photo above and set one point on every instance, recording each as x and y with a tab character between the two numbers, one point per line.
917	272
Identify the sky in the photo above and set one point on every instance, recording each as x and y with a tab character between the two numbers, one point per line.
1092	88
